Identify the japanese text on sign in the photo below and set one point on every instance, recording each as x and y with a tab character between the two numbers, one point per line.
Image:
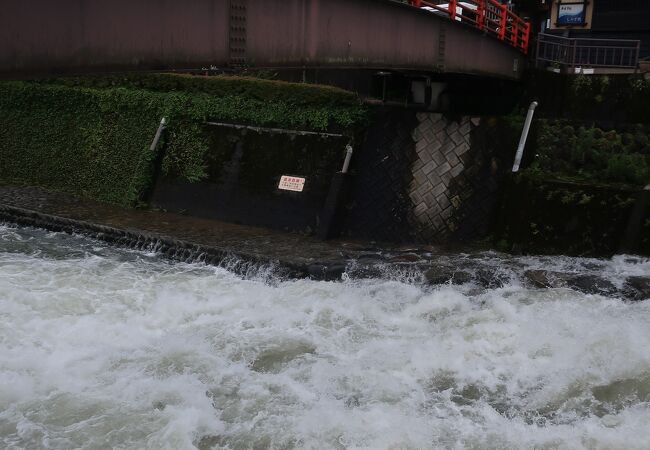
289	183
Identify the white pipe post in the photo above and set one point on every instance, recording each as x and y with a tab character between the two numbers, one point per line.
524	136
161	127
348	157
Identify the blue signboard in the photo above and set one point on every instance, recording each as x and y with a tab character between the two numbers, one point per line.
571	14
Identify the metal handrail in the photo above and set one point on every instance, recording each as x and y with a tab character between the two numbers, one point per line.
489	16
553	36
574	52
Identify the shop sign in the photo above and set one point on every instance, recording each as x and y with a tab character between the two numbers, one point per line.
571	14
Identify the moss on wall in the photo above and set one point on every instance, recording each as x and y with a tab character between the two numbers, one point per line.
310	95
553	217
580	176
573	150
91	136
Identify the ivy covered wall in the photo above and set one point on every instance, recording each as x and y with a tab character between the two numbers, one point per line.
91	136
586	162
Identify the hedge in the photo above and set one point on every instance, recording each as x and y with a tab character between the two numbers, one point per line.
300	94
573	151
91	137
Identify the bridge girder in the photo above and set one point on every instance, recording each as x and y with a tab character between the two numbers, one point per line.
40	37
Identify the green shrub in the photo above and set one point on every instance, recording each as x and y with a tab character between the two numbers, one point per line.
629	168
592	154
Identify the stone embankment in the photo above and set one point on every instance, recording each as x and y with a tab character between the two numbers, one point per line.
246	250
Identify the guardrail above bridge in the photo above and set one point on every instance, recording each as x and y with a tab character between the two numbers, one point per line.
485	15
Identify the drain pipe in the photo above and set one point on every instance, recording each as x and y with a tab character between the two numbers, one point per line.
147	193
339	185
524	136
348	157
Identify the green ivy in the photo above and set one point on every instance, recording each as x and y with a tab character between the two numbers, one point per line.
223	86
91	136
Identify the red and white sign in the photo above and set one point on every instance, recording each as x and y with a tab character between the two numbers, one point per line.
288	183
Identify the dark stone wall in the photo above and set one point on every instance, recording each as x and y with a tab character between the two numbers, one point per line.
425	178
379	207
479	186
554	217
415	178
243	171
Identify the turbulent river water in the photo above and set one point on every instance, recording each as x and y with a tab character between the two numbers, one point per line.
110	348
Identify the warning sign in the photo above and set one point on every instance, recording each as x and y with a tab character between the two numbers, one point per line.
289	183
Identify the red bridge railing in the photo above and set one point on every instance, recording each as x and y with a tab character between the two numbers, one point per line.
489	16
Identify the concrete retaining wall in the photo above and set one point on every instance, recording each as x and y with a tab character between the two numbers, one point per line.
243	170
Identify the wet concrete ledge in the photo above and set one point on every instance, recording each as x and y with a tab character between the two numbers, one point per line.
174	249
242	249
252	251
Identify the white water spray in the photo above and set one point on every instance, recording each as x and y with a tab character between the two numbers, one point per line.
108	348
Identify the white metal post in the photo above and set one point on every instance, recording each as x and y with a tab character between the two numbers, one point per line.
524	136
348	157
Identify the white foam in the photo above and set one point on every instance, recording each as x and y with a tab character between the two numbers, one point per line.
104	349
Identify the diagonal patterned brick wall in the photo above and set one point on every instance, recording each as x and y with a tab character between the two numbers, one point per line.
441	146
423	178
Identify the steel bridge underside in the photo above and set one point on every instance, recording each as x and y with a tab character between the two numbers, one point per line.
43	37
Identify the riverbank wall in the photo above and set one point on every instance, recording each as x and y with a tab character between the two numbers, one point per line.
415	177
582	187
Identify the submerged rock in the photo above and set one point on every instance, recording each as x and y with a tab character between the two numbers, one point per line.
446	274
407	257
587	284
545	278
591	284
364	271
491	279
352	402
326	272
209	442
637	288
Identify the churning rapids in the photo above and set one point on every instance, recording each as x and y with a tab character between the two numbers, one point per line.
109	348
